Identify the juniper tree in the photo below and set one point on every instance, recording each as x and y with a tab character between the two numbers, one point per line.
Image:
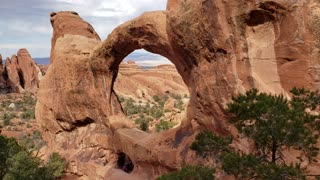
275	123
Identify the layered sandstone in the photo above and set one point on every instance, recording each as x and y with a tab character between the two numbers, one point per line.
220	48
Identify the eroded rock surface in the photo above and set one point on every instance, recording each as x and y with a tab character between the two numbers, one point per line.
220	48
20	73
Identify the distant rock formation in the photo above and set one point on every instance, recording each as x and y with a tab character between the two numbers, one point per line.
129	66
137	83
220	48
19	74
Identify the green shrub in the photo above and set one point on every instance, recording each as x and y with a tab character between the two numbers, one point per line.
242	166
156	113
56	165
156	98
143	122
16	163
207	143
28	114
190	173
32	142
144	125
176	96
250	167
7	117
164	125
179	104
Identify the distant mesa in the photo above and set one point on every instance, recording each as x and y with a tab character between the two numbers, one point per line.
19	74
129	65
131	62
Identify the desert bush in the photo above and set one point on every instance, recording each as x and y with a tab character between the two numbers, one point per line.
179	104
56	165
156	98
28	114
156	113
7	117
164	125
143	122
32	142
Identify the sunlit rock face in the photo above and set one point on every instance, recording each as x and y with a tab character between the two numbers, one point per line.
19	74
220	48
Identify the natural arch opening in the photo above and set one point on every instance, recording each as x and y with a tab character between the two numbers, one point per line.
124	163
151	91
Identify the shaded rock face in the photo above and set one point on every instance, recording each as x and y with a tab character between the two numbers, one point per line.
20	73
220	48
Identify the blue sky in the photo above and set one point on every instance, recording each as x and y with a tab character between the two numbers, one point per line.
26	23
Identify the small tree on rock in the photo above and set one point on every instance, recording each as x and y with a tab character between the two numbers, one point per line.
275	123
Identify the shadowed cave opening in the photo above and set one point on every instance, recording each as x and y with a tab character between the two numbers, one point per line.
20	74
124	163
151	91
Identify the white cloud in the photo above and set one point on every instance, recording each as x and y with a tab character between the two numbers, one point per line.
29	25
152	62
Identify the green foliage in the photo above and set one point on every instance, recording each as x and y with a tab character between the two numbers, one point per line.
7	117
164	125
121	99
275	123
207	143
28	114
32	142
143	122
156	113
274	171
16	163
9	147
176	96
250	167
156	98
56	165
190	173
25	167
144	125
179	104
130	108
242	166
153	111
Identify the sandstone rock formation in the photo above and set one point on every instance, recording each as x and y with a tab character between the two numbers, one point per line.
219	47
20	73
134	82
3	82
